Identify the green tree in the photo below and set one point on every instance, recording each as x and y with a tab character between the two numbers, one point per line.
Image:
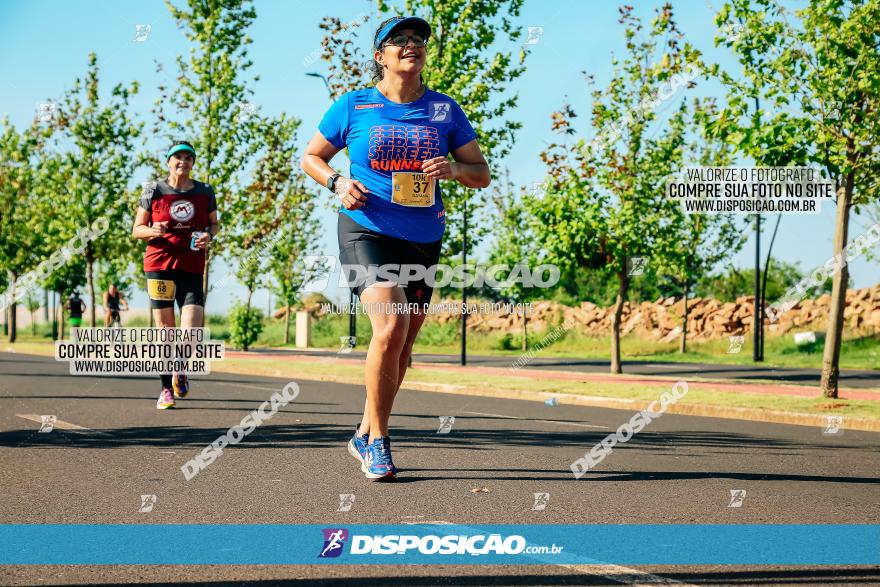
245	326
815	85
732	283
63	281
605	202
287	263
24	240
705	239
287	256
95	141
279	219
209	101
515	244
32	303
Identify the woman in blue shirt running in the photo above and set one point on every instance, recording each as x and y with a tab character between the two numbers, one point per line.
398	134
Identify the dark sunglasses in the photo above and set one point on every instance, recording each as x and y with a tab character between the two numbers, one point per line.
402	40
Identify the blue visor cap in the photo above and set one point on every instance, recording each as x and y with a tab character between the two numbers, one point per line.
400	22
178	149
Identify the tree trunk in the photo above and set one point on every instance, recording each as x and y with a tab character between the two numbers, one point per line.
13	310
287	325
61	325
834	332
54	316
13	321
615	322
248	307
205	275
682	348
34	322
525	341
90	264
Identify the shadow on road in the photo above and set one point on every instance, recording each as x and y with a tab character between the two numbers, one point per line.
319	435
813	576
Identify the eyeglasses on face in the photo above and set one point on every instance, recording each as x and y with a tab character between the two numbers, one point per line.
402	40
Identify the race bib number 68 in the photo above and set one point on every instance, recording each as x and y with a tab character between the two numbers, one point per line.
160	289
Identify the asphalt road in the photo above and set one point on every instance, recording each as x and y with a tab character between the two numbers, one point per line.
789	375
293	468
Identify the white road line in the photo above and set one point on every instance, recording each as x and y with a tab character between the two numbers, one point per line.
616	573
57	424
249	386
63	425
578	424
624	575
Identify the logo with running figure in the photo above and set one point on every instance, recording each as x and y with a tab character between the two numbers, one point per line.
737	497
47	423
334	540
182	210
346	500
440	111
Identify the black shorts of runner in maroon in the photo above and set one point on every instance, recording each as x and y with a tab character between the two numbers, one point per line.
166	287
361	248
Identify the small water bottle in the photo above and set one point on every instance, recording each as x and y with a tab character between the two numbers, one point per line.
195	236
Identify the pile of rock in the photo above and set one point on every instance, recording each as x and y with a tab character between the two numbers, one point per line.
662	319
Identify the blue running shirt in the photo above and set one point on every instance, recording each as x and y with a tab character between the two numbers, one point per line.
386	139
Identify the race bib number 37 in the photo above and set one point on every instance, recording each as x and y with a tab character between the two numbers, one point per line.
412	189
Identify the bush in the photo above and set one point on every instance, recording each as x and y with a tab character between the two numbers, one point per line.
436	334
505	342
245	326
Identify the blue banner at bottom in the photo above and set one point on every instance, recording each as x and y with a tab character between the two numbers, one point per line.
266	544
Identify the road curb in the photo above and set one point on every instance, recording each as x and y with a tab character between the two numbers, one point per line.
704	410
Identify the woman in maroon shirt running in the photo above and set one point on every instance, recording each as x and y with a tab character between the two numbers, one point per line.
167	219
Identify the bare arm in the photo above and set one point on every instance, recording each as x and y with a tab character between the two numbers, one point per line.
144	230
470	168
213	223
213	228
316	163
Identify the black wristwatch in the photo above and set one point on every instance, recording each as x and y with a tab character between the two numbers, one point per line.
331	182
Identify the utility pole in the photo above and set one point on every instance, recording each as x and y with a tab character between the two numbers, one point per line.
464	313
758	318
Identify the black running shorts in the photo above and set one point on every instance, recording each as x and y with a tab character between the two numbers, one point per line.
164	287
361	248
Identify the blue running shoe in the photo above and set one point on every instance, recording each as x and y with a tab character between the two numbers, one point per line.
378	461
357	447
180	384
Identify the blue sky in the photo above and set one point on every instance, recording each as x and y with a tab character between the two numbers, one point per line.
44	45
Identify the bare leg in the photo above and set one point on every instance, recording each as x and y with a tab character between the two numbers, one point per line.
416	320
192	316
383	357
164	318
415	324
